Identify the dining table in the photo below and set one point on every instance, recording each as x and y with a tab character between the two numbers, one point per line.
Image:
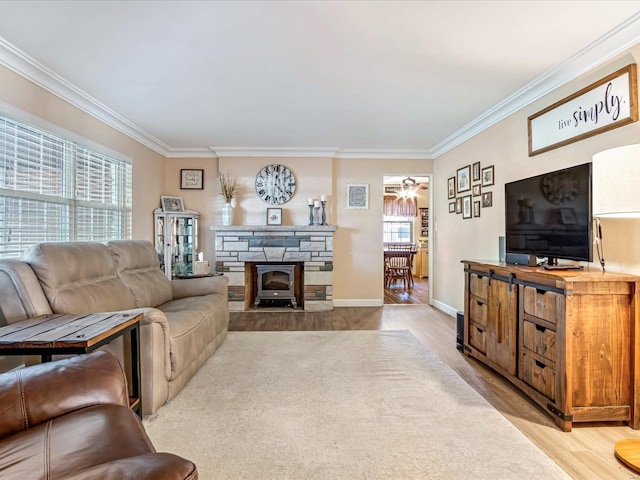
398	264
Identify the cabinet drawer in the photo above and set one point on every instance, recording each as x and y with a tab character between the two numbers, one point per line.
545	305
478	310
479	286
478	338
539	339
538	375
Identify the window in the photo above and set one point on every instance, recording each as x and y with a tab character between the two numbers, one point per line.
398	231
52	189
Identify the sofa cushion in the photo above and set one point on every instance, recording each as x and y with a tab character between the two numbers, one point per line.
79	277
22	295
139	268
194	322
89	443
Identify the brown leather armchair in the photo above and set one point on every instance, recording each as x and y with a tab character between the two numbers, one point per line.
70	419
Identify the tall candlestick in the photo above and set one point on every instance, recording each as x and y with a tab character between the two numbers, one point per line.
324	211
310	214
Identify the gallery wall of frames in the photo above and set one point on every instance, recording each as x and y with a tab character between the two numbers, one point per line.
469	191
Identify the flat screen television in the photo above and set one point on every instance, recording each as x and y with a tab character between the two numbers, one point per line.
549	215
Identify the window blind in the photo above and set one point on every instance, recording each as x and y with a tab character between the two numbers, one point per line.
397	231
53	190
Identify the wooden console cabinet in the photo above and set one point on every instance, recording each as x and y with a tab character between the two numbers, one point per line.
567	338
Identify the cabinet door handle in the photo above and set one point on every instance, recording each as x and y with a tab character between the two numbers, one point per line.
540	328
539	364
499	317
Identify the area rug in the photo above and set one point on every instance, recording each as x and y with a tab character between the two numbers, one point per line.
339	405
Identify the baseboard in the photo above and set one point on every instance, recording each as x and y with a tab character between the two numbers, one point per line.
443	307
356	302
372	302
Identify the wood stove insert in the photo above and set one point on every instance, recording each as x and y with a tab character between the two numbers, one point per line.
275	281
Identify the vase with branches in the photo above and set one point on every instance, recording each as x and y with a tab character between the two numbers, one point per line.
228	190
228	186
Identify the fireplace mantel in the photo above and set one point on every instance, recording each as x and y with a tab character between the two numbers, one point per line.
311	245
274	228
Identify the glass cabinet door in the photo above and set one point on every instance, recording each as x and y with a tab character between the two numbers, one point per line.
185	244
176	242
160	221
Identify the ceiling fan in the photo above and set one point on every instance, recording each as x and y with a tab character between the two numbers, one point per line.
411	184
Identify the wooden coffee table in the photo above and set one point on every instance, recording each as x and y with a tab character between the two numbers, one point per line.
59	334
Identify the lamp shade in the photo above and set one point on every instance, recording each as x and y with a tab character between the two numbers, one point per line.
616	182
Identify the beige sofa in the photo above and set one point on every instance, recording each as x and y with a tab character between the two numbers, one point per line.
184	321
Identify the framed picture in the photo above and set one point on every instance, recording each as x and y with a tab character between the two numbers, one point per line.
568	216
463	179
452	207
476	190
574	118
274	216
172	204
459	205
476	208
358	195
487	199
475	172
451	187
466	206
487	176
191	179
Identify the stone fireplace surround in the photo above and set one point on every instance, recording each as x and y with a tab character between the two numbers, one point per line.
311	245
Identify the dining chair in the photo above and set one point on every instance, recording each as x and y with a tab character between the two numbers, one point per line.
401	246
398	266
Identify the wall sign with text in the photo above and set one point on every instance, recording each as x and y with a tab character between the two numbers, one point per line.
607	104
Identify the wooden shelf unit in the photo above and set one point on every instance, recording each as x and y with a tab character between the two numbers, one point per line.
567	338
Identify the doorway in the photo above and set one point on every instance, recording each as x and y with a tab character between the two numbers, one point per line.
406	221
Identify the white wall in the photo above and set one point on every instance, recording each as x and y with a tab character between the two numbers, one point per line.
148	166
505	145
358	250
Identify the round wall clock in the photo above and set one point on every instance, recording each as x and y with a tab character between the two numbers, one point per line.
275	184
560	187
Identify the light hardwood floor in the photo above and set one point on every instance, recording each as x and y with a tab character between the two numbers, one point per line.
419	294
585	453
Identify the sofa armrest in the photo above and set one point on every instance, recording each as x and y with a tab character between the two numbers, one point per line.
35	394
192	287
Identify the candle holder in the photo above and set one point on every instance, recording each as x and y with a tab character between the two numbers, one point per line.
310	214
316	216
324	212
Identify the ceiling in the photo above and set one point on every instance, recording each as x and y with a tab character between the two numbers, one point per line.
404	78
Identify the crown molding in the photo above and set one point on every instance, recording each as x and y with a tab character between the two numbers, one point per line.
593	55
190	153
375	153
321	152
26	66
273	152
